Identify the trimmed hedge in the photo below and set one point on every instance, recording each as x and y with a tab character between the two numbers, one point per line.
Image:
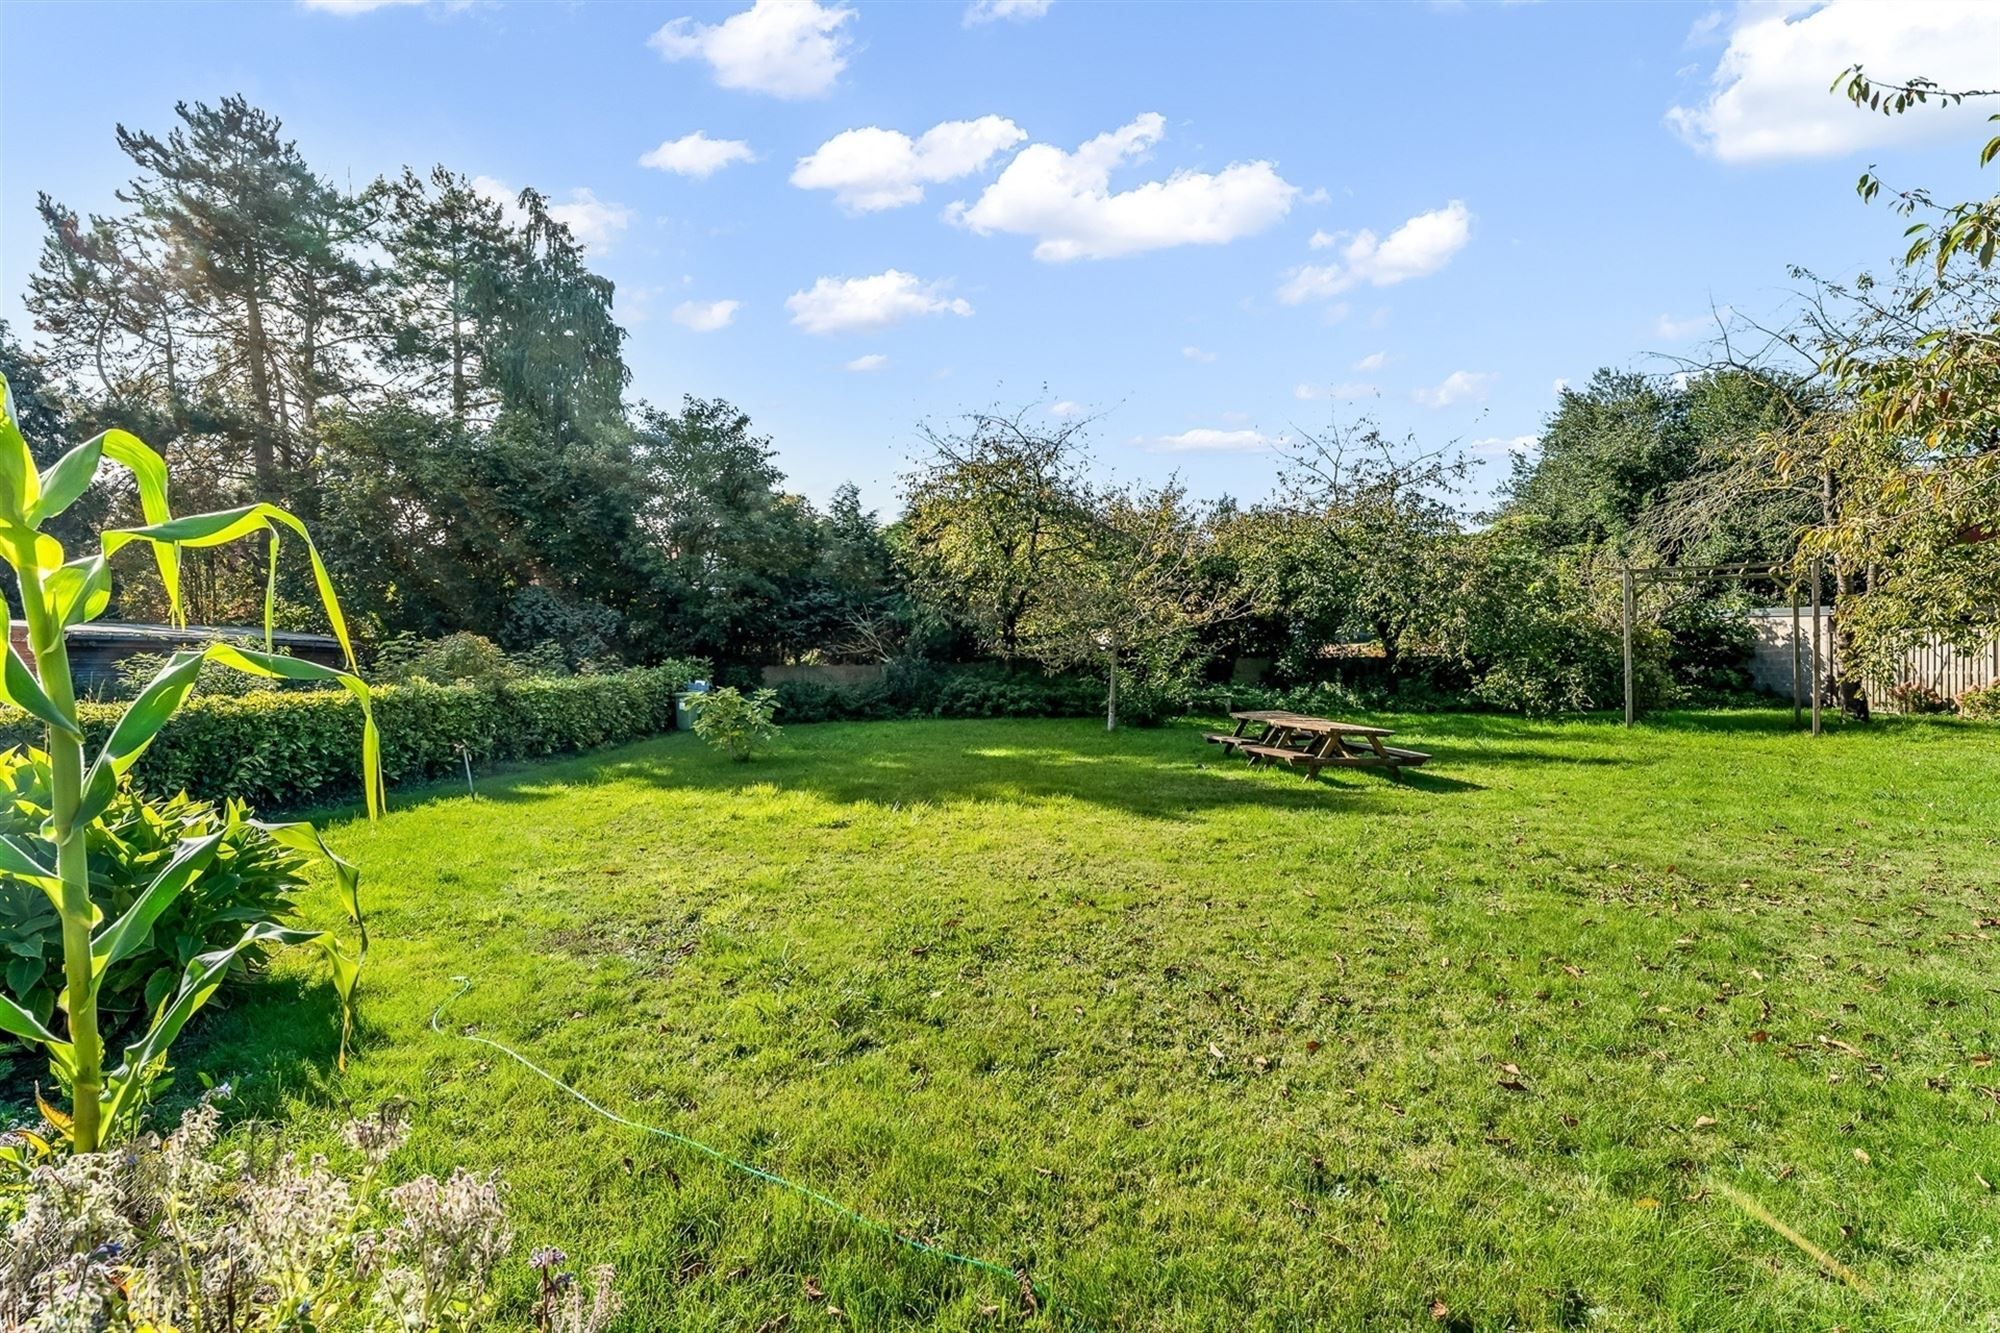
914	690
289	749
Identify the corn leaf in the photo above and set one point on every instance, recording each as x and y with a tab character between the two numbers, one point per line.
20	484
228	525
18	1021
117	940
19	687
149	476
66	479
78	591
203	975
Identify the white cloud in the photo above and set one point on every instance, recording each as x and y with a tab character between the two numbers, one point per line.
871	169
349	8
872	361
706	316
1065	201
856	305
1321	239
594	222
1674	330
1196	354
591	220
1373	361
1769	99
1503	445
787	48
1066	408
1205	439
1014	11
697	155
1417	249
1461	386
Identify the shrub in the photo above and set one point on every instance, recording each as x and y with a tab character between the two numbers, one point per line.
251	877
175	1233
734	722
1914	696
1709	652
1981	701
289	750
455	659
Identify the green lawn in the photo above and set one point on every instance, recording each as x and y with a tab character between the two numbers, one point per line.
1204	1047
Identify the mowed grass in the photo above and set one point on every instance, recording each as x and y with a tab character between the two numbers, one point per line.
1201	1047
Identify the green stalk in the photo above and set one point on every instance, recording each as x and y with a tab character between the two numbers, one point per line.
72	867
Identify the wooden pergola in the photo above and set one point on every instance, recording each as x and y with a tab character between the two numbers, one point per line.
1803	674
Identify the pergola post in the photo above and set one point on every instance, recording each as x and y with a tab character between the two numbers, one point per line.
1816	672
1798	654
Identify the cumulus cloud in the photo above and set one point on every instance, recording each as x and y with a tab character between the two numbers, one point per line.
1768	97
1197	354
1501	446
349	8
872	361
1373	361
697	155
1066	408
1674	330
862	305
594	222
786	48
872	169
1417	249
1013	11
1204	439
1321	239
1461	386
706	316
1065	200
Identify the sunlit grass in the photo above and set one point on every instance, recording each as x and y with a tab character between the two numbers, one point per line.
1204	1047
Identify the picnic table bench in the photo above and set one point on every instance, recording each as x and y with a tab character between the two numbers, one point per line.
1295	739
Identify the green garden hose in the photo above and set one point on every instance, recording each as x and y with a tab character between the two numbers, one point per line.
1018	1278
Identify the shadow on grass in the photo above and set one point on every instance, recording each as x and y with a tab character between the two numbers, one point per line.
1167	774
270	1037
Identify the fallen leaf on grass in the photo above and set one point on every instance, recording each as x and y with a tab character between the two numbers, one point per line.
1513	1085
1861	1156
1705	1122
1440	1311
1215	1052
1758	1036
814	1292
1647	1202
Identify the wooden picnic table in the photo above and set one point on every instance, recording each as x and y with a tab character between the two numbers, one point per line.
1316	742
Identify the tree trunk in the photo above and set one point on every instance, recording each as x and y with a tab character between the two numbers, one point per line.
1111	696
260	393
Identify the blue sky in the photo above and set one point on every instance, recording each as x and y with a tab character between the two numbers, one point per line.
1431	212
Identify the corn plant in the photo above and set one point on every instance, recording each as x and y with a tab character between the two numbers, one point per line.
58	591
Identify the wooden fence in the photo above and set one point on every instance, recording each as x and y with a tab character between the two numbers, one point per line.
1936	665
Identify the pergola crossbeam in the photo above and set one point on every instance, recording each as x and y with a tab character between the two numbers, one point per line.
1743	570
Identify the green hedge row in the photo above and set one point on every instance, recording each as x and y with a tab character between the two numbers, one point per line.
289	749
918	689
